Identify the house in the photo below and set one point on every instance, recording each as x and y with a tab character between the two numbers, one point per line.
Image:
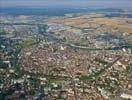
126	96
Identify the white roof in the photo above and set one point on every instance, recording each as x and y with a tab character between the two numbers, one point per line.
126	96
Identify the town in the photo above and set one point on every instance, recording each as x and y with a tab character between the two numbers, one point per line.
71	57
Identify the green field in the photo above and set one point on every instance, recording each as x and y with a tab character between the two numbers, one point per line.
25	43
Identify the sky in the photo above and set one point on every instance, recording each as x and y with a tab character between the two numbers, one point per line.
79	3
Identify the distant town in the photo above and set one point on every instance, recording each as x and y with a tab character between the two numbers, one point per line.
82	56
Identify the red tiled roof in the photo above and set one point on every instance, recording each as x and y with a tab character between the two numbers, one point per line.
124	62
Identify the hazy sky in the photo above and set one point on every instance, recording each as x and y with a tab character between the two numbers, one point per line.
79	3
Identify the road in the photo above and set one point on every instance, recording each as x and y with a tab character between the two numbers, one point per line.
102	71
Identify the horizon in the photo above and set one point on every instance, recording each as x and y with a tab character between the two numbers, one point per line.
77	3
